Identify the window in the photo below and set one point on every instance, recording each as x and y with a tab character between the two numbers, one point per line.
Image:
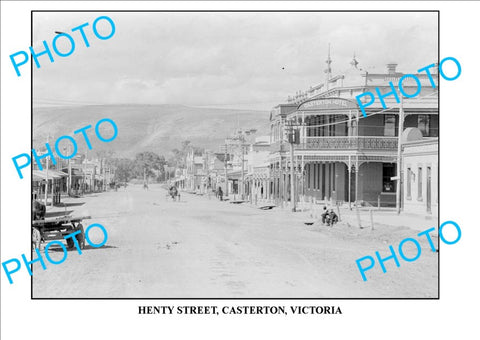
409	183
424	124
389	125
420	183
388	173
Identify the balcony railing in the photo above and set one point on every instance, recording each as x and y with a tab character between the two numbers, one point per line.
349	143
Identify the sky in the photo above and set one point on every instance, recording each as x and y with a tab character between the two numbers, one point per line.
246	60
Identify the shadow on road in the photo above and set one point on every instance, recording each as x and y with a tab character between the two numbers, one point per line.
87	247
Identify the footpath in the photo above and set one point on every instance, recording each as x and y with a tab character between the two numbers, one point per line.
366	217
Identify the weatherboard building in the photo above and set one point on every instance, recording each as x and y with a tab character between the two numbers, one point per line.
341	155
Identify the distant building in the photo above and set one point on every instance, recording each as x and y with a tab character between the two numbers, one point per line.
217	163
180	178
420	173
258	170
196	172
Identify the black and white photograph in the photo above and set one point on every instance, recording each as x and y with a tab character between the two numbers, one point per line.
238	169
240	165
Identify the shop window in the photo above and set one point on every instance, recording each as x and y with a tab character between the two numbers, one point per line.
388	173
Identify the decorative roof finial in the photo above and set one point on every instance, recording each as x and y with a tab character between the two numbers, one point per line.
328	70
354	61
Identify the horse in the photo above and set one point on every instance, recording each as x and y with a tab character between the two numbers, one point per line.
173	193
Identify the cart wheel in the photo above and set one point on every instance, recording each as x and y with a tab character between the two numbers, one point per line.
36	238
70	243
80	237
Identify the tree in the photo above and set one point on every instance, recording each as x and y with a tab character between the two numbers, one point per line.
146	162
124	169
177	157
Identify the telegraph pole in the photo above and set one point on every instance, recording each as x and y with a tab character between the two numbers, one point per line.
292	180
46	175
226	177
85	173
243	170
399	155
69	182
104	170
292	139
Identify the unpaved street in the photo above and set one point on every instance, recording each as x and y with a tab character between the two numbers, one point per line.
203	248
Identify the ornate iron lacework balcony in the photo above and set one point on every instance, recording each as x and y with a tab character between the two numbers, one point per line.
350	143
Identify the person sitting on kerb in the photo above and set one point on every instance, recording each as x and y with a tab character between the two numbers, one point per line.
324	214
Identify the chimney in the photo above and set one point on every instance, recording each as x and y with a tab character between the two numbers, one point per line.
391	68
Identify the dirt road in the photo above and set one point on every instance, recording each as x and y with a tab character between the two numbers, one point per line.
203	248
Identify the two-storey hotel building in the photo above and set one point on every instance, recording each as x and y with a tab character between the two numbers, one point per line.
341	154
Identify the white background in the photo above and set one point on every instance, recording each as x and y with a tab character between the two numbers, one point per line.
453	316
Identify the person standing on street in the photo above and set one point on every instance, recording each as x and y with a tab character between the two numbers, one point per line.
220	193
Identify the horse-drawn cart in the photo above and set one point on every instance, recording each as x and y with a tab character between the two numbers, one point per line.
173	193
56	228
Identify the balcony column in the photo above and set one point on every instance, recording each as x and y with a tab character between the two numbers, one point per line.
282	182
303	130
327	181
319	179
274	186
357	170
302	177
349	170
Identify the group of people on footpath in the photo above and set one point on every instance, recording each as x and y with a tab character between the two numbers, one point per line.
329	217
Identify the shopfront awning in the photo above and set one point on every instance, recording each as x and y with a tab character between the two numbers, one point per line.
52	174
57	174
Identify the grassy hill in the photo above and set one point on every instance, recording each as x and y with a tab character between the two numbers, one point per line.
157	128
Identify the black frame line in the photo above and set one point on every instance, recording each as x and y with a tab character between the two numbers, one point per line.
245	11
